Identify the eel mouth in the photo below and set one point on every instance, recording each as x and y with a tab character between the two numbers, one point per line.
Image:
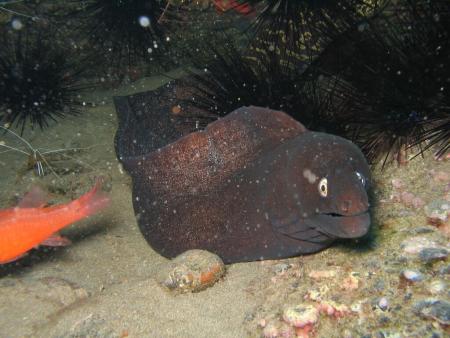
343	226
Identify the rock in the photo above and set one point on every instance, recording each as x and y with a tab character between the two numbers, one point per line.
317	295
350	283
358	307
437	287
286	331
411	276
445	270
192	271
407	197
301	315
278	329
379	285
435	309
417	202
383	320
429	255
281	268
271	330
441	176
444	228
397	183
424	230
388	334
383	303
437	211
416	244
334	309
347	334
413	245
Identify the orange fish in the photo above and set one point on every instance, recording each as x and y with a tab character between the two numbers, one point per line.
31	223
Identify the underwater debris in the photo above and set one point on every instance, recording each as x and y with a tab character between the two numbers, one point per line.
38	81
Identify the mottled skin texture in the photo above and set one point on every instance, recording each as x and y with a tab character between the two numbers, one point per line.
248	188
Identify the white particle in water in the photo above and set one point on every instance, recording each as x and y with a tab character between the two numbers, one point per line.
144	21
17	24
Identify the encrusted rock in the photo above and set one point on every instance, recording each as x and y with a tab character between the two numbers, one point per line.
435	309
445	270
437	211
422	247
192	271
301	315
440	176
275	329
317	295
334	309
397	183
413	245
429	255
424	229
351	282
437	287
271	330
281	268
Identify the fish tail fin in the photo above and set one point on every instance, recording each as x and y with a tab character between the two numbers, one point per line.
93	201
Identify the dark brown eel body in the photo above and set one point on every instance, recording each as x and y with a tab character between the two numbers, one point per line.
253	185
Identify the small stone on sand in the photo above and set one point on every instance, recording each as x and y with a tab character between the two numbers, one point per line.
192	271
301	315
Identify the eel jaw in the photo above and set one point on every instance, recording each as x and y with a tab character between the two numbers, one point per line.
343	226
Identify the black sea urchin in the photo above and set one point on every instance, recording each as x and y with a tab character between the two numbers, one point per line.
37	82
285	25
231	80
393	76
125	30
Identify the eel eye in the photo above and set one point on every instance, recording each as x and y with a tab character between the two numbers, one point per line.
361	178
323	187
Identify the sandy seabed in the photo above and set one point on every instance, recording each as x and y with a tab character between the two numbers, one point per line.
103	285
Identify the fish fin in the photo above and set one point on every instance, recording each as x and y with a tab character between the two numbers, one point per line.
56	240
14	259
35	198
94	200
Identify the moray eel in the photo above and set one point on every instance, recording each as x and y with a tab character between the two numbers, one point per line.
253	185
